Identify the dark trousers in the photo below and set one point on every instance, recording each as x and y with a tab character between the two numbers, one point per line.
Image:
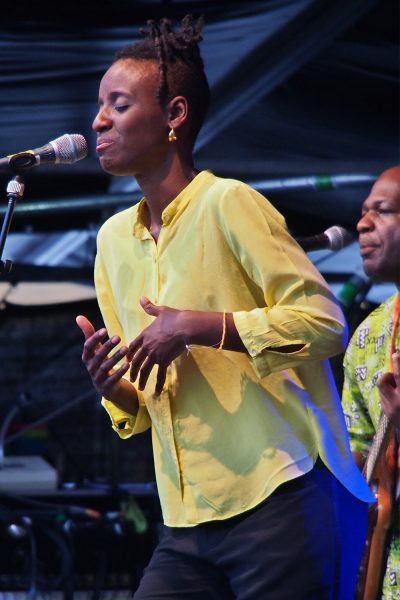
304	542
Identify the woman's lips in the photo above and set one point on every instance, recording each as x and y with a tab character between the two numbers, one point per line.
103	145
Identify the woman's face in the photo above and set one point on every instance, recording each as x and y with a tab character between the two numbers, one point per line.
131	126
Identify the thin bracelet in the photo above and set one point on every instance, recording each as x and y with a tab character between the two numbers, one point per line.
221	344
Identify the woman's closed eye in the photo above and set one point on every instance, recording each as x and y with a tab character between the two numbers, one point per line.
121	107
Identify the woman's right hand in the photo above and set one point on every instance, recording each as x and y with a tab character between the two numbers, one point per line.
97	358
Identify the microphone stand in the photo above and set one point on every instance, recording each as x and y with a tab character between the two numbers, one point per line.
15	190
18	164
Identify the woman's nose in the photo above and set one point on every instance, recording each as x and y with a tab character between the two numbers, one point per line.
101	121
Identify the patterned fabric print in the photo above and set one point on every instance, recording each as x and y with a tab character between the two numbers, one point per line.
391	583
366	359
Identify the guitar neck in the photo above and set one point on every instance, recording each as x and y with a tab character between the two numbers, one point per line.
377	445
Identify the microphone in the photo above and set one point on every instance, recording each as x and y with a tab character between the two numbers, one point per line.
65	149
333	238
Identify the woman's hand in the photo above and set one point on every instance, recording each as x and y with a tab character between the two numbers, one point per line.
98	361
158	344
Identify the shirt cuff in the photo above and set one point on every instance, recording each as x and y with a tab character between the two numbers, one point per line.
262	343
126	424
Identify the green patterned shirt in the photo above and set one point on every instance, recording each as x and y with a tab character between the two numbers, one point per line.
367	358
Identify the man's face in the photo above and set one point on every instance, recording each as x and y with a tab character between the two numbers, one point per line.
132	128
379	228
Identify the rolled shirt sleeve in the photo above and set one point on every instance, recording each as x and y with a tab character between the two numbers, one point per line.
297	306
126	424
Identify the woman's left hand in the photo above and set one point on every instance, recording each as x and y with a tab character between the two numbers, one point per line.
158	344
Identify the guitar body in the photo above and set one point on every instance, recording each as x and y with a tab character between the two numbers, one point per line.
383	485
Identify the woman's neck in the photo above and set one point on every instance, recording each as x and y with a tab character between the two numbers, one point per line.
160	192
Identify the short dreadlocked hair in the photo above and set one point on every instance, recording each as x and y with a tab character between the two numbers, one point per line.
180	64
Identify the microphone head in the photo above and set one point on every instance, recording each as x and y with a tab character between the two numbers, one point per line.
338	236
69	148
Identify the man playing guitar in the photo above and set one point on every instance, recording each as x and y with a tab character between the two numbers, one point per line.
371	391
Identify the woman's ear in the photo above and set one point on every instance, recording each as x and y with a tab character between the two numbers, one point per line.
178	111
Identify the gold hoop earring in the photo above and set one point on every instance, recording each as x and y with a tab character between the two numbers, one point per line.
171	136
